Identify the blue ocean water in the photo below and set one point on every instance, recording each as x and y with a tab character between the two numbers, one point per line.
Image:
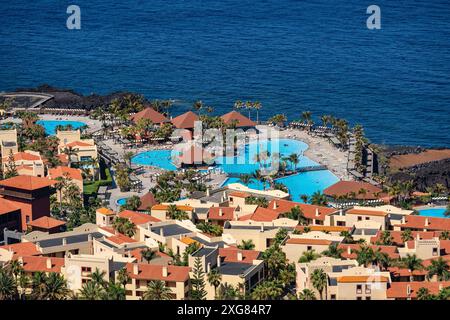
291	55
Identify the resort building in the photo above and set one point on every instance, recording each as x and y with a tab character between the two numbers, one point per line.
47	224
409	290
81	150
78	268
238	120
422	248
243	269
8	142
316	241
72	175
315	215
261	233
10	216
161	211
150	114
358	283
185	121
30	194
26	163
77	241
423	223
175	277
327	264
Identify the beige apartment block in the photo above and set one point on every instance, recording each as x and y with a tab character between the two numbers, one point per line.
27	163
78	268
85	149
423	248
176	278
8	142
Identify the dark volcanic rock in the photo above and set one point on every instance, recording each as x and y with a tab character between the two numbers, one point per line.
425	175
66	98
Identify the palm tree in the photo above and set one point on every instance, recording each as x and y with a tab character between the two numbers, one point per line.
411	262
148	254
333	251
308	256
246	245
70	152
306	117
319	281
98	277
365	256
157	290
55	287
407	235
123	277
423	294
318	199
386	238
38	284
214	278
176	214
444	235
124	226
127	156
91	290
294	159
8	287
348	238
114	291
306	294
245	178
439	268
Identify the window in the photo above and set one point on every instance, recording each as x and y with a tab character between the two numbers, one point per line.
368	289
231	199
333	297
367	218
358	288
86	269
309	248
359	218
368	298
27	219
358	298
435	251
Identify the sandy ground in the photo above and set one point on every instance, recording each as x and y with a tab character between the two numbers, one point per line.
409	160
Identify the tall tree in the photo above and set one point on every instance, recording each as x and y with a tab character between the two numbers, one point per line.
198	291
319	281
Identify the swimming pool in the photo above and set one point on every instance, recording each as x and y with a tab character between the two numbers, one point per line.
433	212
50	125
122	201
156	158
244	162
298	184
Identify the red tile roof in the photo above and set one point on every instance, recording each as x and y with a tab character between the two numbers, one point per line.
400	289
262	214
362	279
22	249
239	194
137	217
344	188
397	236
120	239
309	210
227	213
63	171
419	222
367	212
25	156
403	272
185	120
390	250
155	272
7	206
242	121
27	182
323	228
105	211
316	242
79	144
231	255
147	202
34	264
46	223
150	114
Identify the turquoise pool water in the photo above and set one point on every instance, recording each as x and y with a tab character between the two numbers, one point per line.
433	212
156	158
50	125
243	163
303	183
122	201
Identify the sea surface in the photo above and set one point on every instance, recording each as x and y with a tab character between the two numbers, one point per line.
290	55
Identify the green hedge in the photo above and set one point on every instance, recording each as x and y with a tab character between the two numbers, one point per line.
91	188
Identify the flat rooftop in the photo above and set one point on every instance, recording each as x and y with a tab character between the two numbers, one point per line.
54	242
171	230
